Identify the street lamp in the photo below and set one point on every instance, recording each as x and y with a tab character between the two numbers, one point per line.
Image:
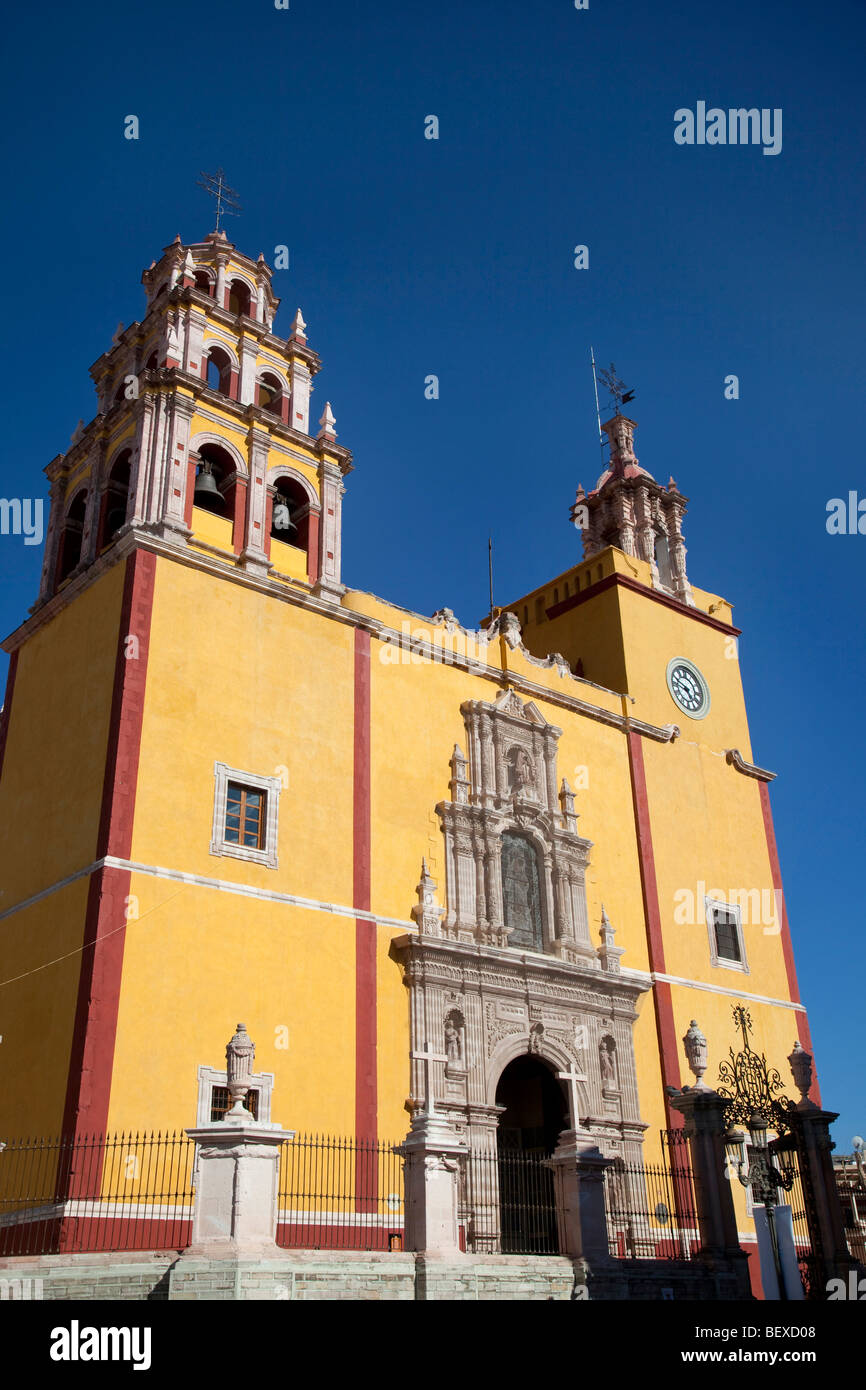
756	1171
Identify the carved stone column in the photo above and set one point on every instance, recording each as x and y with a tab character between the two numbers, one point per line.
254	555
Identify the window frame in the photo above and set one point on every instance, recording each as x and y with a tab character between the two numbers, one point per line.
734	909
271	786
211	1077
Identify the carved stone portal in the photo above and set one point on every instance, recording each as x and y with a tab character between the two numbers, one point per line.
508	968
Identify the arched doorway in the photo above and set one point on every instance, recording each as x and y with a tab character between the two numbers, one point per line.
536	1112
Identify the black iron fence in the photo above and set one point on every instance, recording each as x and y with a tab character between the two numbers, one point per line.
507	1203
651	1208
340	1193
96	1192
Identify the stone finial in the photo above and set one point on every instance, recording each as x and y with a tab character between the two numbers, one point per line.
327	423
240	1052
188	266
569	815
459	780
697	1053
118	332
427	913
800	1062
608	952
672	487
298	327
509	628
77	432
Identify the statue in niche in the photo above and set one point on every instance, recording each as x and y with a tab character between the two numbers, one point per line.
522	771
454	1028
536	1037
607	1056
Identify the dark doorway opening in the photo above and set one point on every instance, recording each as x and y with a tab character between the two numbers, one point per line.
536	1112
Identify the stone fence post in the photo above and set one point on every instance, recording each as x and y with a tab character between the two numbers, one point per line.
703	1112
579	1169
433	1153
237	1164
832	1258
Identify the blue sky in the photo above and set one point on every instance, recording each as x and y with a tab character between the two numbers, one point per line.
455	257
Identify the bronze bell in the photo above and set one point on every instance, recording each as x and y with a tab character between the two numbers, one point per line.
205	485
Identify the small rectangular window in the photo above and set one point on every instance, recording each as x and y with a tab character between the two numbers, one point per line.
245	816
725	929
727	939
245	812
221	1103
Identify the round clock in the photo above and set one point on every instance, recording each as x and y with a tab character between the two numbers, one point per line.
688	687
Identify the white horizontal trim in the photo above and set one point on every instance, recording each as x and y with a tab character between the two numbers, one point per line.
656	976
246	890
96	1208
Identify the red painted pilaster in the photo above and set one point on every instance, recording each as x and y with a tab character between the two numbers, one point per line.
665	1029
239	522
313	547
7	706
787	947
92	1053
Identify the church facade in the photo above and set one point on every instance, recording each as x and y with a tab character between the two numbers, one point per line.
396	847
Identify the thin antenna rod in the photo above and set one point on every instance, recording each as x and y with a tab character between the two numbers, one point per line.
597	411
227	204
490	570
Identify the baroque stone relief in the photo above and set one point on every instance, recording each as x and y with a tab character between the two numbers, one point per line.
515	864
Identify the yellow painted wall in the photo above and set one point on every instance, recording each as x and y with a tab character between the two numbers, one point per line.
50	802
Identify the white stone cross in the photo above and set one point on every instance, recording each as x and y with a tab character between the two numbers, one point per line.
428	1057
572	1077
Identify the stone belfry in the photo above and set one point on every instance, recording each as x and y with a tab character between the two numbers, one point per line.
627	508
202	409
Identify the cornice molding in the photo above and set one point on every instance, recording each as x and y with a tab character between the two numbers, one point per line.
209	562
735	759
625	581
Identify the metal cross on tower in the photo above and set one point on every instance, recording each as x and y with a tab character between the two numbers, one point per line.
617	389
226	198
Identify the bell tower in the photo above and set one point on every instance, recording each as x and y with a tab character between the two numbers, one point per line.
202	435
627	508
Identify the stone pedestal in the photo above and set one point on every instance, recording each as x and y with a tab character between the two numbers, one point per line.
235	1213
433	1154
703	1111
578	1168
831	1257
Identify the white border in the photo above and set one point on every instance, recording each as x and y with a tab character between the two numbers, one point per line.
271	786
715	959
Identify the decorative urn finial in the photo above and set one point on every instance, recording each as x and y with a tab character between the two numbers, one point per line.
800	1062
298	326
239	1070
697	1053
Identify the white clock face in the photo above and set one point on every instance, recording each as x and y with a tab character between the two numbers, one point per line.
688	687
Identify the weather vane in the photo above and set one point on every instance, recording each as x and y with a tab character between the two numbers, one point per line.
226	198
616	388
